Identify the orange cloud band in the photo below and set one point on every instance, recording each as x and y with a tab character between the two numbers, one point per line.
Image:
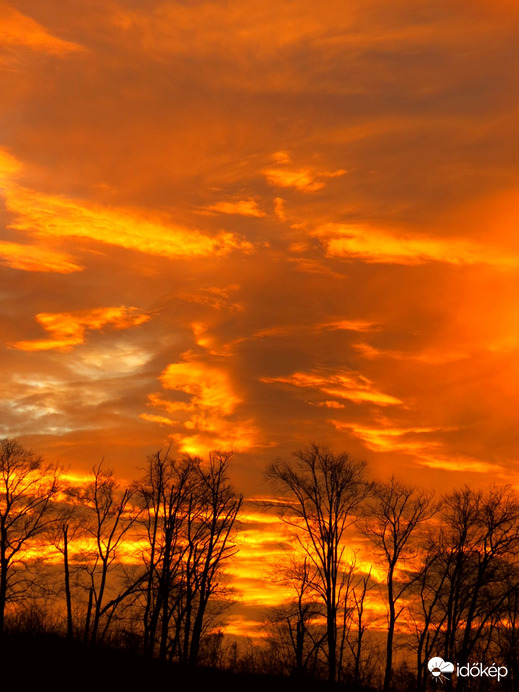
68	329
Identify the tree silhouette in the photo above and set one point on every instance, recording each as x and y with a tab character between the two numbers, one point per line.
27	490
469	576
294	637
189	514
162	494
66	530
109	517
394	513
320	495
210	538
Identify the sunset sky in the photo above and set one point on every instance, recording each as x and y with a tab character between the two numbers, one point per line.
254	225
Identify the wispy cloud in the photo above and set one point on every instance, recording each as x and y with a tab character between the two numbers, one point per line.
304	179
430	355
203	412
68	329
463	464
58	217
342	384
244	207
385	438
18	30
35	258
332	325
216	297
380	246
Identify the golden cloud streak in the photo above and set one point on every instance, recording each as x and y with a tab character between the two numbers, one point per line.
10	167
245	207
58	217
462	464
33	258
18	30
379	246
215	297
68	329
208	386
342	385
207	418
289	329
238	626
430	356
304	179
388	439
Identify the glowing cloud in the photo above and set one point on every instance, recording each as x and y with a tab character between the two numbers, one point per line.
216	297
374	245
33	258
430	356
209	387
305	179
463	464
68	329
204	409
245	207
279	209
18	30
391	439
53	216
343	385
10	167
335	325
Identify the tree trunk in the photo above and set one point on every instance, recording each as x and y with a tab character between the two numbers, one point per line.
390	631
88	614
68	596
332	643
99	602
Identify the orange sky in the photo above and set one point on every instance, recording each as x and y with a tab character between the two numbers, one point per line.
256	225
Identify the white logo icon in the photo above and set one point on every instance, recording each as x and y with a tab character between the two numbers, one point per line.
438	667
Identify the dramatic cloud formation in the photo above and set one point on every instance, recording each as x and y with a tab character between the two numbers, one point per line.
303	179
203	410
58	217
258	225
68	329
32	258
373	245
350	386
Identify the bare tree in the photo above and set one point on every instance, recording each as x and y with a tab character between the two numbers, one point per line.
27	490
68	526
395	512
163	495
469	577
190	511
210	538
507	629
356	637
294	634
109	517
320	495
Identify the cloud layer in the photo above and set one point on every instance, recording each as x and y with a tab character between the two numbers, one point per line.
257	226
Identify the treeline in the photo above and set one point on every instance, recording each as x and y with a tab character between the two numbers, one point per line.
384	576
145	560
447	576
